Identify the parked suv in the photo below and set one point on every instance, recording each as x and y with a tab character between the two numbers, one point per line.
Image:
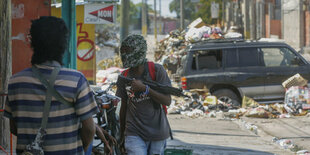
232	69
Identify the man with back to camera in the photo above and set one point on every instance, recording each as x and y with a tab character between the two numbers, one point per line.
70	129
144	125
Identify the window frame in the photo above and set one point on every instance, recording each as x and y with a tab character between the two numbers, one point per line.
195	56
281	48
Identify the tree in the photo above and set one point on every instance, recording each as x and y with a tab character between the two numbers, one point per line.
204	11
189	8
133	13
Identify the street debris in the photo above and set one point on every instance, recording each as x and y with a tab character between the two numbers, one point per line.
284	143
289	144
296	80
253	128
303	152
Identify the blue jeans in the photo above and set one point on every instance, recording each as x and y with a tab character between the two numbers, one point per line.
136	146
89	150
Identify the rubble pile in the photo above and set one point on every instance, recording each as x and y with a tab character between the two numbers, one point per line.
110	62
107	76
203	104
171	49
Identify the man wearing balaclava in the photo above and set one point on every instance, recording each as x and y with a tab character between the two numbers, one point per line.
144	125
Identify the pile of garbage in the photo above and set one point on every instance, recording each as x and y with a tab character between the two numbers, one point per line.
203	104
109	62
107	47
171	49
107	76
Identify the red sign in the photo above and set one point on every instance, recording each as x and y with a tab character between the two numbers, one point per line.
104	13
99	14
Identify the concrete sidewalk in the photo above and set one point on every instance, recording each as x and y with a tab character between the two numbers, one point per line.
296	129
214	136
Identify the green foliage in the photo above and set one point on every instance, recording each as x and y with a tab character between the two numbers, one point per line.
204	11
149	7
133	13
189	8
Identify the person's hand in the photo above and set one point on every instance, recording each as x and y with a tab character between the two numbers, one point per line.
137	86
112	139
122	146
108	149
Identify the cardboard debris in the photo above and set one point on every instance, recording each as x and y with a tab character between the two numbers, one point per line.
296	80
248	102
196	23
259	113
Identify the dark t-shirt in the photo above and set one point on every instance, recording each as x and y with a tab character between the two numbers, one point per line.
144	117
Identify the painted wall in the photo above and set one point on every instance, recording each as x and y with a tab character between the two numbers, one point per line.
86	59
293	24
23	11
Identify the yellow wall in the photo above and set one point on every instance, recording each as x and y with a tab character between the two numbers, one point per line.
86	58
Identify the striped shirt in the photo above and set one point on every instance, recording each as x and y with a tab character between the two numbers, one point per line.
26	102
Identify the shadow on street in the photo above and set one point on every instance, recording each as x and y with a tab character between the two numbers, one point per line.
201	149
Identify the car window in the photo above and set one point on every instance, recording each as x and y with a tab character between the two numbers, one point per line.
207	59
231	58
248	57
274	57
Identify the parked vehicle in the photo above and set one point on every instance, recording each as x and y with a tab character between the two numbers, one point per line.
232	69
108	117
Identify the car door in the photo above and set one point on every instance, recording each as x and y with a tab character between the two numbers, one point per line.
245	71
280	63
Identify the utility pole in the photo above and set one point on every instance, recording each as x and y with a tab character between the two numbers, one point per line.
144	17
125	4
252	19
5	66
182	14
160	18
223	13
258	22
68	14
155	22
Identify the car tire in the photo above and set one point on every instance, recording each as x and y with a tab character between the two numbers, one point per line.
227	95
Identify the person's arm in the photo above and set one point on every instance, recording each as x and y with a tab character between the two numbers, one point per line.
158	97
87	132
13	128
123	118
85	107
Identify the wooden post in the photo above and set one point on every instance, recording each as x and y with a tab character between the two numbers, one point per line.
5	66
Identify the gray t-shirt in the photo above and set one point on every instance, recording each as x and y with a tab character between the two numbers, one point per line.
144	117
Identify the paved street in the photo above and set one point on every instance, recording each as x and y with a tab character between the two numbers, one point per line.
209	136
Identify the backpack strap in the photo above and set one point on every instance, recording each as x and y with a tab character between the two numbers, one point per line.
126	72
152	72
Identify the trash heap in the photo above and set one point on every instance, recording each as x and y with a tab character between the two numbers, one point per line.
107	76
107	47
171	49
110	62
203	104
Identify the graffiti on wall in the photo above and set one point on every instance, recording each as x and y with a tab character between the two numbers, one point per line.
85	46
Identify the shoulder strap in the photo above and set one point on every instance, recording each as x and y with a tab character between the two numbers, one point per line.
48	99
49	87
126	72
152	72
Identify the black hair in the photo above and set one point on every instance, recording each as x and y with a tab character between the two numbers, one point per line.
49	38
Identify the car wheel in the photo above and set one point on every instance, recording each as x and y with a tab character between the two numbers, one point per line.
227	96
